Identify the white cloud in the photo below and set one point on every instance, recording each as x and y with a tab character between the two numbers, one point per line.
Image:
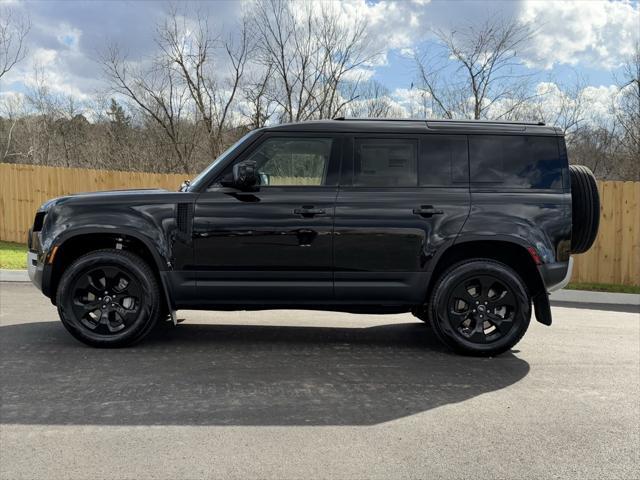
49	67
599	100
599	33
407	52
11	103
391	24
413	102
66	37
44	57
359	74
590	106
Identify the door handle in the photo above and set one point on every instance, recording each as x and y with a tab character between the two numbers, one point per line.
309	211
427	211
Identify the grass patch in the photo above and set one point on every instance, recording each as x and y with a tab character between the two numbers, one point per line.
604	287
13	256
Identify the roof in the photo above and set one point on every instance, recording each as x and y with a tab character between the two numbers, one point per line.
370	125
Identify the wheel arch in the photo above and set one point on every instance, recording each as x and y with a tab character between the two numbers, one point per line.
75	244
513	254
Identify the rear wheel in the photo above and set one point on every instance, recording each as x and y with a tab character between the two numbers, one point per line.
109	298
480	307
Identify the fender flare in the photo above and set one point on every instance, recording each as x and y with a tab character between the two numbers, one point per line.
540	300
162	264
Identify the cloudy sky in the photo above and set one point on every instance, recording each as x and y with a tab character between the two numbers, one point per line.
584	38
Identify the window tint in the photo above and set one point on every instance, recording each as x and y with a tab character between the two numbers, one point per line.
385	163
443	160
293	161
515	161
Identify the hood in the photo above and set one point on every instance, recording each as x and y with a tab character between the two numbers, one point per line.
133	195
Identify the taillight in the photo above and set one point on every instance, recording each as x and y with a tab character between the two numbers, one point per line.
534	255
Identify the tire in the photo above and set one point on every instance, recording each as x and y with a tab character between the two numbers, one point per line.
470	313
585	208
109	298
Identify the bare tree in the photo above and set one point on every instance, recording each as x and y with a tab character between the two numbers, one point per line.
558	103
13	33
184	89
158	92
374	101
13	111
258	106
570	112
313	55
191	50
597	147
627	104
485	72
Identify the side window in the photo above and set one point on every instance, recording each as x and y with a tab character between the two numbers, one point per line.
385	162
293	161
516	161
443	160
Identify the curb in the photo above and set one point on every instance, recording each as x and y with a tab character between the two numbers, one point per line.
14	276
583	296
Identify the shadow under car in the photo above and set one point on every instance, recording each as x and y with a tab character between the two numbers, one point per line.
240	375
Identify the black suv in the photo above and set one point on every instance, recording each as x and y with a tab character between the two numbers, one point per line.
466	224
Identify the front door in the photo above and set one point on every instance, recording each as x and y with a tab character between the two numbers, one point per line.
402	200
272	245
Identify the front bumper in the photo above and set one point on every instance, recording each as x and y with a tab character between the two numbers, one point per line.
35	269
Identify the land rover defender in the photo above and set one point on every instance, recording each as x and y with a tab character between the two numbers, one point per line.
466	224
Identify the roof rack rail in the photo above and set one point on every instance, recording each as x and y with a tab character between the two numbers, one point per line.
445	121
355	119
492	122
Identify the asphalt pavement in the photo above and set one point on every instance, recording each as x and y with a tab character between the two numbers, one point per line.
296	394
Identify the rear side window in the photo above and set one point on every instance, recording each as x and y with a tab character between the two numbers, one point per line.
515	161
443	160
385	162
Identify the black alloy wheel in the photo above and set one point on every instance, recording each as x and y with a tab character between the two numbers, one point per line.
480	307
106	300
109	298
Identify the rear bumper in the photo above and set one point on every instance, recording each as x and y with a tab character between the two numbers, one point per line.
556	275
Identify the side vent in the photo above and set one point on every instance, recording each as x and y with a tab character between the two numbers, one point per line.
184	219
38	221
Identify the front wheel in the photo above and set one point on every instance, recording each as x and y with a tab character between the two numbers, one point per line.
480	307
109	298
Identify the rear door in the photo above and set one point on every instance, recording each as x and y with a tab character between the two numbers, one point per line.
403	198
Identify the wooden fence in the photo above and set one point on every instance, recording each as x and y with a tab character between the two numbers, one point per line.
23	188
614	258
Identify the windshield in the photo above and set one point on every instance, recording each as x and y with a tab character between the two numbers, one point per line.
195	183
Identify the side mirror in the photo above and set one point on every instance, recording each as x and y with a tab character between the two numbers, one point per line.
245	176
